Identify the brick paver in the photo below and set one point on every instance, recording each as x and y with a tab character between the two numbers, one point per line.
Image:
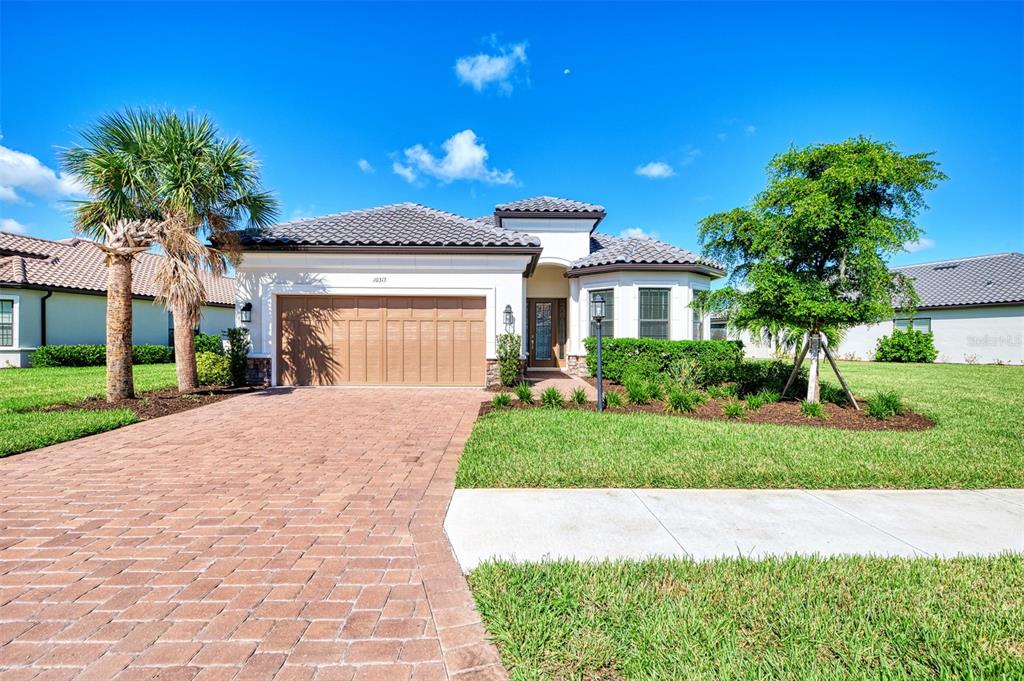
285	534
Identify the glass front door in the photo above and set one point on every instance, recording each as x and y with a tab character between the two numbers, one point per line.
547	331
542	322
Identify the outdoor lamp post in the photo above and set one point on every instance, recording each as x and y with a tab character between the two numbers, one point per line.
509	319
597	314
246	313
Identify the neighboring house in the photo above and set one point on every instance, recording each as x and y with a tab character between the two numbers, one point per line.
412	295
55	293
974	307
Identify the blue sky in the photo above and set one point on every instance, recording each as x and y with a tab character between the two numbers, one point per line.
663	113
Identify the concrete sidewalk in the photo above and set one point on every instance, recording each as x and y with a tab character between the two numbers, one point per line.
538	524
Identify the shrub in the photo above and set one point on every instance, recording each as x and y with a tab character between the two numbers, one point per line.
733	409
509	345
578	396
613	399
719	391
637	391
753	376
812	409
685	374
207	342
681	399
884	404
906	346
831	393
758	400
524	392
653	360
213	369
95	355
238	351
552	398
502	401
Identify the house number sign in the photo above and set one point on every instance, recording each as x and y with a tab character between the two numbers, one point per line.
380	280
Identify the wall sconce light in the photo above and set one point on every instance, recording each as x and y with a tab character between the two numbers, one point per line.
246	313
510	320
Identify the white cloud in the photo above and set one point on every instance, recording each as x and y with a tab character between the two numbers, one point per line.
690	155
922	244
13	226
21	172
365	166
750	129
481	70
407	173
722	136
636	233
465	158
656	170
566	72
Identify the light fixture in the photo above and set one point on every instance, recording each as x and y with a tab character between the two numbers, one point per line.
597	314
510	320
246	314
597	308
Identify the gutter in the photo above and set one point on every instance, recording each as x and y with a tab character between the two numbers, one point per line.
663	267
42	317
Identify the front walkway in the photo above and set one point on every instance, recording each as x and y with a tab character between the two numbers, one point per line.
595	524
289	534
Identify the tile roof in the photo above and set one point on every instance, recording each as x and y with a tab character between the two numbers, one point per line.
548	204
400	224
79	264
979	280
608	250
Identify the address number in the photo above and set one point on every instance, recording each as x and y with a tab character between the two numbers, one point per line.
380	280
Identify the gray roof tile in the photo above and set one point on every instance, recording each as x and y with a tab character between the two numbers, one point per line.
611	250
401	224
80	264
549	204
979	280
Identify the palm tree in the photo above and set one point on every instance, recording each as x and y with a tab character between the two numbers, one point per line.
120	216
206	187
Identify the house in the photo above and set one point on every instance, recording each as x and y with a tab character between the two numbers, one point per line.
54	292
974	307
406	294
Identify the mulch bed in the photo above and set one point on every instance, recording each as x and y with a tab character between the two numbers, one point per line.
156	403
786	412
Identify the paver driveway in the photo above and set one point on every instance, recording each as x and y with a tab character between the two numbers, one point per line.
294	535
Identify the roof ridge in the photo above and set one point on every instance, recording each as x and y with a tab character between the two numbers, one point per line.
967	258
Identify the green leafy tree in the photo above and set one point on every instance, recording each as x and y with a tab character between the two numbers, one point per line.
812	251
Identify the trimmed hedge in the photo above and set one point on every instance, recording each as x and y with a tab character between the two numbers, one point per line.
96	355
906	346
650	359
213	369
208	342
754	375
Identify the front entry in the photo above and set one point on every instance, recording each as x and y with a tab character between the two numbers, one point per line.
547	331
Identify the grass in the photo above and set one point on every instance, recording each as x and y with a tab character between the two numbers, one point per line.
25	390
794	618
978	441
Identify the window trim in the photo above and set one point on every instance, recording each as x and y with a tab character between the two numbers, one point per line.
15	307
590	320
668	309
910	323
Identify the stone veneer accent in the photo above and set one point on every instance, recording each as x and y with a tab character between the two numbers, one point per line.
257	370
576	365
492	375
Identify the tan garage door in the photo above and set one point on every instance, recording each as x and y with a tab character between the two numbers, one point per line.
333	340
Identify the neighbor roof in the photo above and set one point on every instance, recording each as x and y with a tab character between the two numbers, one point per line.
549	204
79	265
610	252
400	224
979	280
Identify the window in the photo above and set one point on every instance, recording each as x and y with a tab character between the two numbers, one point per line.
922	324
6	323
654	313
608	323
698	326
719	331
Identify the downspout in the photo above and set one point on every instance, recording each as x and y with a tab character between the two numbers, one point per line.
42	317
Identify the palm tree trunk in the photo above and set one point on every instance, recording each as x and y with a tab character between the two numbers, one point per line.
119	329
185	349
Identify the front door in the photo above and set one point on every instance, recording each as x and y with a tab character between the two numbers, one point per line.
546	331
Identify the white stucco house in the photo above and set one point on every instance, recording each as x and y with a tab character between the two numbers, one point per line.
973	306
406	294
55	292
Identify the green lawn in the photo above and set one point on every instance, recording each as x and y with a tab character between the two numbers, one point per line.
24	390
978	442
797	618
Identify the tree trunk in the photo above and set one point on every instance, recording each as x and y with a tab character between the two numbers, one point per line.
119	329
185	349
812	375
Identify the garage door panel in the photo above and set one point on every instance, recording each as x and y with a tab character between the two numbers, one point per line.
381	339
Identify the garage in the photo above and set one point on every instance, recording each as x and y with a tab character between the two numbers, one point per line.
403	340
